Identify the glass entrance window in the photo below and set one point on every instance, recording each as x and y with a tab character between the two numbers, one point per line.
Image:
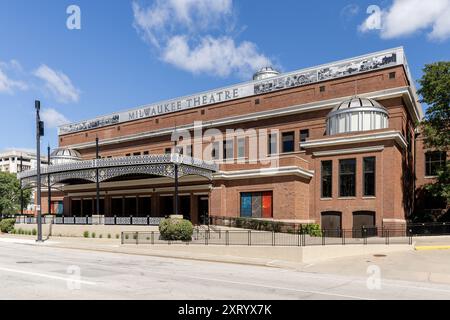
117	207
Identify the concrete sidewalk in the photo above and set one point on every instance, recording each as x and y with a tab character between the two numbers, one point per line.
283	257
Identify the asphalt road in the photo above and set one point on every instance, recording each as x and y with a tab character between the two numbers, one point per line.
40	272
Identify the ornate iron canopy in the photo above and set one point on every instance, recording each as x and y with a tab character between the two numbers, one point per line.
158	165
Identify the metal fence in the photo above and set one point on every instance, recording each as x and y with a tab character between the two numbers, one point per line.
265	238
429	228
143	221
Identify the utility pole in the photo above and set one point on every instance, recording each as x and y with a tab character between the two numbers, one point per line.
39	134
97	185
49	188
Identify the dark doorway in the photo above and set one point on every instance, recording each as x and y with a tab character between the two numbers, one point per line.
203	210
184	208
76	208
364	220
332	223
117	207
166	206
88	208
144	206
130	206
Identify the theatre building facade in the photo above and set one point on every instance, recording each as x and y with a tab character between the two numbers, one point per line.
334	146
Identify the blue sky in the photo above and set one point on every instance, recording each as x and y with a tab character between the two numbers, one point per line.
130	53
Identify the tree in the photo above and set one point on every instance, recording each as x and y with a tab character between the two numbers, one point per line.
10	194
435	92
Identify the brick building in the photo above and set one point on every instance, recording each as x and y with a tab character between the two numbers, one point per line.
335	145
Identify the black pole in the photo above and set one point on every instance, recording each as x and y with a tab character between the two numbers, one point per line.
21	189
97	184
37	105
49	188
176	188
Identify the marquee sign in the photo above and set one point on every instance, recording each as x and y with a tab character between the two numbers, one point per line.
289	80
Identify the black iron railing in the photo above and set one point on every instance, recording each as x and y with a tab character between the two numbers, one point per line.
265	238
145	221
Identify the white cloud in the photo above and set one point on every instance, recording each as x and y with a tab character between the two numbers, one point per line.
406	17
8	85
59	84
53	118
182	33
217	56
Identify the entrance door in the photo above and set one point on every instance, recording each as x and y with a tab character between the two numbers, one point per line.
203	210
366	220
332	223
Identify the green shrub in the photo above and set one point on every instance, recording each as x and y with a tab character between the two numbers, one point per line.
7	225
100	236
34	232
313	230
176	229
20	231
13	231
86	234
117	236
109	235
93	235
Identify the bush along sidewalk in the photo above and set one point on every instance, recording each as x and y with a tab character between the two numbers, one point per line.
176	229
7	225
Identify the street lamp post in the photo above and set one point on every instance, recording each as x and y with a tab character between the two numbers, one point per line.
49	188
97	184
21	188
39	134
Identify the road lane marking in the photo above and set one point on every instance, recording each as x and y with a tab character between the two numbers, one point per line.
48	276
419	248
272	287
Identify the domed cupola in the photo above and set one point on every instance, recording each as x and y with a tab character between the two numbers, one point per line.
265	73
64	155
357	114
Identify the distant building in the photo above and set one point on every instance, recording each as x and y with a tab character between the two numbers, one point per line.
10	161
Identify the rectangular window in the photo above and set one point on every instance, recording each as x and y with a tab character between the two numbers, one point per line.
434	160
168	151
136	154
241	148
146	153
257	204
369	176
327	179
288	141
272	144
215	150
228	150
304	135
347	178
189	150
